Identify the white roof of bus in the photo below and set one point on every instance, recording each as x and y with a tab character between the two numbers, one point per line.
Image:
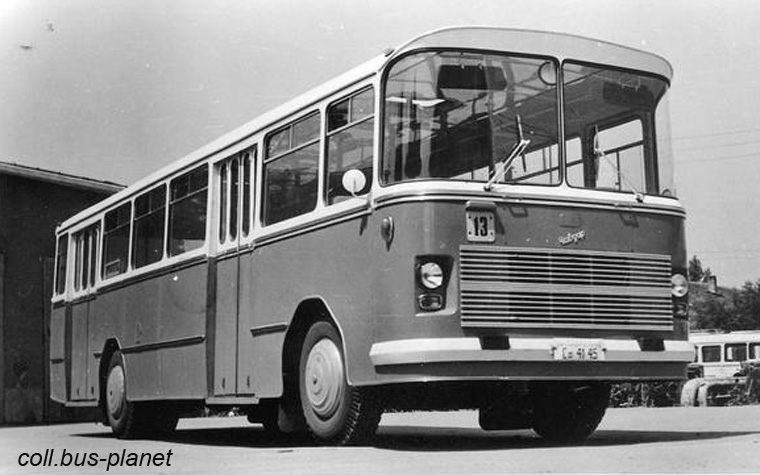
717	338
560	45
541	43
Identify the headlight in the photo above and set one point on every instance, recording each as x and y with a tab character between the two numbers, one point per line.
431	275
679	285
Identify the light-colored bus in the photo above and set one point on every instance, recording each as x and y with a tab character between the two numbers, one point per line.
481	218
720	355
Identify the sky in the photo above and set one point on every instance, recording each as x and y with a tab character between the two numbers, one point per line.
115	89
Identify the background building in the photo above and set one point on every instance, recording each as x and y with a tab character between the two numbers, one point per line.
32	203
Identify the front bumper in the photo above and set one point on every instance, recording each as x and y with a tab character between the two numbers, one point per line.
423	359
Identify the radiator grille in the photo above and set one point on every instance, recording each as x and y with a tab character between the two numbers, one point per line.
529	287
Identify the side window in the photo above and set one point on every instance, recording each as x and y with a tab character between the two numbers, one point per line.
736	352
61	256
148	227
116	241
248	174
86	247
754	351
350	134
233	181
188	195
711	354
291	170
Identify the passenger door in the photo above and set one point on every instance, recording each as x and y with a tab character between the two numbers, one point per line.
85	246
232	183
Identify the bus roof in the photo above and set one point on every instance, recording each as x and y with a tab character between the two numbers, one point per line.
542	43
560	45
733	337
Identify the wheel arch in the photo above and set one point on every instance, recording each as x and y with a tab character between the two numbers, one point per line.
309	311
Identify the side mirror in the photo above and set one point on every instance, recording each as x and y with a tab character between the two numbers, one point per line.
354	181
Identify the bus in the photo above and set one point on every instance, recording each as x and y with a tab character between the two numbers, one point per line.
482	218
720	355
724	368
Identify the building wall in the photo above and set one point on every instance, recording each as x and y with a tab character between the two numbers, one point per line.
29	212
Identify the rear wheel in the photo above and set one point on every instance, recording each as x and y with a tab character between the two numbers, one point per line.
129	419
334	411
569	413
121	413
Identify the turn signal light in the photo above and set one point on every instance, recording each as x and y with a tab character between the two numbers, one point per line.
431	302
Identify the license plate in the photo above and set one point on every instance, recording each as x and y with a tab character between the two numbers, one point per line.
578	350
480	226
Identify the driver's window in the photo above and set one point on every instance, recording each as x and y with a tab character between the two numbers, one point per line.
350	144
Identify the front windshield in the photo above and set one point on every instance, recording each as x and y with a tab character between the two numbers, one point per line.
610	130
492	118
459	115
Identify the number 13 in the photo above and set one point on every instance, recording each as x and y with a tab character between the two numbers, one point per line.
481	226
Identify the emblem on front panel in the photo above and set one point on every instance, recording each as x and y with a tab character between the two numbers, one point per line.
572	238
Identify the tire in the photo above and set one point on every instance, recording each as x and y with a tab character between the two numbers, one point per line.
120	412
127	419
689	392
335	412
569	413
703	396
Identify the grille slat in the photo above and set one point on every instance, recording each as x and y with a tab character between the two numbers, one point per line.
625	321
529	287
599	273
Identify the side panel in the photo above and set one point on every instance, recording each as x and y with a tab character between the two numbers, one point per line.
58	354
333	263
225	336
160	323
79	352
250	349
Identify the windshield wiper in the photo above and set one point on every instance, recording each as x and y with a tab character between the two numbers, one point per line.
517	149
599	154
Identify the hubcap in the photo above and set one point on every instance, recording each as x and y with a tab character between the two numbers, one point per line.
115	391
324	378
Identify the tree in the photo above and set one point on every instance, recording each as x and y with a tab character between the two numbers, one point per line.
712	311
728	310
747	315
696	272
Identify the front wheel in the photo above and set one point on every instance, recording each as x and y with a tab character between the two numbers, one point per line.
569	413
335	412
